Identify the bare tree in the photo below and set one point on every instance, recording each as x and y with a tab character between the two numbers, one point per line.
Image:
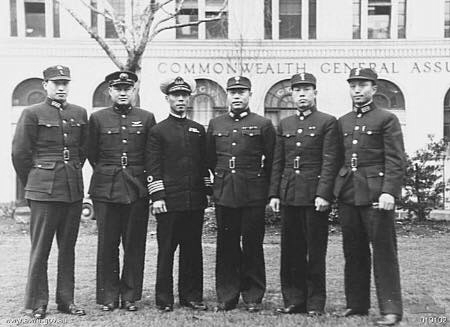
139	31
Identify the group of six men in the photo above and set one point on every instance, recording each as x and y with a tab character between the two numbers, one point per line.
301	168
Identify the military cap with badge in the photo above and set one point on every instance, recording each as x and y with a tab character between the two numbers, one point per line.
303	78
363	74
178	84
239	82
55	73
121	77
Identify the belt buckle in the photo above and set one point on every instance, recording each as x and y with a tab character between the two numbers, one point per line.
124	160
354	163
66	154
232	163
297	163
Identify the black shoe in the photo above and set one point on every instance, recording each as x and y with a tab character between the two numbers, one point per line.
71	309
129	305
388	320
315	313
39	313
165	308
223	307
194	305
353	312
291	309
253	307
109	307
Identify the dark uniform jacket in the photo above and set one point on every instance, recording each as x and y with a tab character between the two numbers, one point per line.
49	149
304	164
240	152
117	152
176	165
373	160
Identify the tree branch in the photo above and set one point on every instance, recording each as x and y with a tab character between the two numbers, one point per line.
95	36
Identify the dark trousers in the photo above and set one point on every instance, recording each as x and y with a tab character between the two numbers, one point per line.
362	225
304	236
183	228
48	218
116	223
240	270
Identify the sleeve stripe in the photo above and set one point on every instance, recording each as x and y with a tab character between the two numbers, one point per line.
155	186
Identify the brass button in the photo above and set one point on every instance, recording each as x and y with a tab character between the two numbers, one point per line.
299	130
355	141
124	116
380	173
124	127
220	134
359	115
124	141
109	132
369	132
233	144
298	143
65	134
138	132
234	130
233	171
64	121
297	172
302	118
356	128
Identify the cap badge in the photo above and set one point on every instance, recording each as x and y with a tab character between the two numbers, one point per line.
237	78
357	71
59	67
179	80
123	76
302	76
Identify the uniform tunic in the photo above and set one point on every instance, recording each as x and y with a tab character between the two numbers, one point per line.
117	153
178	175
240	152
373	162
48	151
304	167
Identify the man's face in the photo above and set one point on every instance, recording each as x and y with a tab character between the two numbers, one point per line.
238	99
121	94
57	90
304	96
362	91
178	102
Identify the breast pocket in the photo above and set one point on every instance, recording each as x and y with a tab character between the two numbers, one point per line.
312	140
375	178
222	139
41	177
109	137
49	130
76	126
372	138
137	135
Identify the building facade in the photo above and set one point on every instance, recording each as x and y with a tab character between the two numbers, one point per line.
406	41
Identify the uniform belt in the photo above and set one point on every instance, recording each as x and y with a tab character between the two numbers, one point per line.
355	163
121	161
237	164
303	165
67	156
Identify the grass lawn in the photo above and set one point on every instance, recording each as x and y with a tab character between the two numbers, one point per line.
424	261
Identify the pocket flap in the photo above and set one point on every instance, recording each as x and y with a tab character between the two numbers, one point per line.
109	130
374	171
48	123
251	132
44	165
289	133
221	133
372	132
136	130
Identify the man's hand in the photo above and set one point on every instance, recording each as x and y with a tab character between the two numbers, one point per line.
386	202
321	204
159	206
275	204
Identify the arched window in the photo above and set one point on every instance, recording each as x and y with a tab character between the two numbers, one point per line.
102	99
28	92
278	102
389	96
208	101
447	115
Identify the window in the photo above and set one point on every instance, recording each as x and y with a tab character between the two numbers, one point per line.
278	102
119	11
447	19
379	19
447	115
389	96
216	29
102	99
207	102
35	18
290	19
188	13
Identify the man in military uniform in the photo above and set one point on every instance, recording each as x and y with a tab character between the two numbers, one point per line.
48	152
177	188
117	153
303	173
370	179
240	152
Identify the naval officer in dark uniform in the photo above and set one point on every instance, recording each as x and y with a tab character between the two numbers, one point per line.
369	181
178	178
48	152
240	151
117	152
303	173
